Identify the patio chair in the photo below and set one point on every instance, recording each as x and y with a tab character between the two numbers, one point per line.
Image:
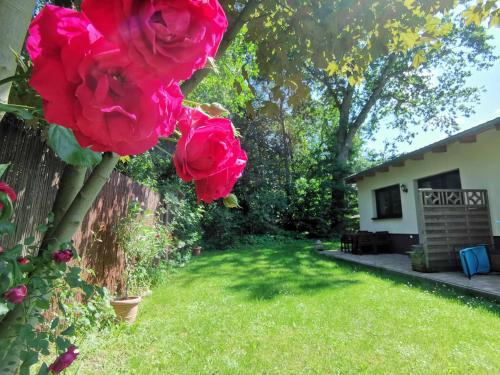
382	242
346	242
364	243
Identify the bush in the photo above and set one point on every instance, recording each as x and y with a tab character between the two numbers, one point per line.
184	217
146	243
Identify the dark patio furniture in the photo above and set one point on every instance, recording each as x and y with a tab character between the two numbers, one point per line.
364	243
346	242
382	242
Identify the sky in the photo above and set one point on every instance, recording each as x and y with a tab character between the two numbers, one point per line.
488	109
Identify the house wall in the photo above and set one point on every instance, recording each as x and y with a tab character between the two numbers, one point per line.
479	165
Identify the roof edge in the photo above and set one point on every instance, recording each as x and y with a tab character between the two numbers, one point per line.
436	146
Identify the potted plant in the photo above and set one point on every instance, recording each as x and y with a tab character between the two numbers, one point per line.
125	306
196	251
417	256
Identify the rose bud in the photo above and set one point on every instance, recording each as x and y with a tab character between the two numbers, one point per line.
16	295
23	261
64	360
62	256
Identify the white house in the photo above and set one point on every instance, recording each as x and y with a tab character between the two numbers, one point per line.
458	174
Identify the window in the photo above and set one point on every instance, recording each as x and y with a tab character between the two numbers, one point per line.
388	202
448	180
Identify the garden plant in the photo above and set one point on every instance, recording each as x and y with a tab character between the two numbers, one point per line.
110	90
305	81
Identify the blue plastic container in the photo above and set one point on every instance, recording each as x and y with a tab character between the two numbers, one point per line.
475	260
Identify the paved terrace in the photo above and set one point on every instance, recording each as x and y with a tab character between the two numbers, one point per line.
482	285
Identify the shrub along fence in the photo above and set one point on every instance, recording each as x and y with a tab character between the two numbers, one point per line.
34	174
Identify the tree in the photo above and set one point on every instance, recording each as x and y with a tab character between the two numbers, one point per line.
425	86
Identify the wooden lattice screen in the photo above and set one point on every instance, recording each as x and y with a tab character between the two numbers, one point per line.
451	220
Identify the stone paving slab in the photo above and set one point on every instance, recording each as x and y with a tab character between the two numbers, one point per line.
482	285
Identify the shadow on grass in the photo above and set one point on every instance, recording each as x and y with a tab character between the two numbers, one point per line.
426	286
269	271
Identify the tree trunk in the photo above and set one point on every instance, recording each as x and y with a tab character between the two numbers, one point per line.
15	17
340	171
75	214
286	153
70	185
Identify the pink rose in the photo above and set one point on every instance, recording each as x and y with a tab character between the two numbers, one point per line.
16	295
62	256
208	153
91	87
221	184
23	261
4	188
64	360
170	39
2	250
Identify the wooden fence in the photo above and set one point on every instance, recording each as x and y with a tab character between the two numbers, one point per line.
451	220
34	174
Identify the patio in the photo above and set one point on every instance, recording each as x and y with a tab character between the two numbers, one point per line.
481	285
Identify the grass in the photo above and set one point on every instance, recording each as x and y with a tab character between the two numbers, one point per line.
277	308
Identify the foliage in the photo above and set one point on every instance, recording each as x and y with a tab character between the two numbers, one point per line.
277	308
145	243
32	335
85	314
184	217
63	143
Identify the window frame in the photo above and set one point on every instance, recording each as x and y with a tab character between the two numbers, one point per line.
440	177
393	214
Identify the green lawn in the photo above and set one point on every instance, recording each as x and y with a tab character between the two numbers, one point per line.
280	309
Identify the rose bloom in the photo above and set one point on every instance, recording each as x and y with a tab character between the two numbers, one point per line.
91	87
23	261
221	184
4	188
210	154
64	360
170	39
2	250
62	256
16	295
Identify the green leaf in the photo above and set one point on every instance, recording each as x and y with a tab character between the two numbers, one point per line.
3	169
70	331
7	228
29	241
63	143
7	209
44	369
4	309
231	201
55	323
62	344
22	111
42	228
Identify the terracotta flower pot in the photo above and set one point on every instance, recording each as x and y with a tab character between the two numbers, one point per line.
196	251
126	309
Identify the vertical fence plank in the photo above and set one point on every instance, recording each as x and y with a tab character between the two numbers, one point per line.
34	174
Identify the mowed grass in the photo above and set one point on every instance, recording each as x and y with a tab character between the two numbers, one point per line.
281	309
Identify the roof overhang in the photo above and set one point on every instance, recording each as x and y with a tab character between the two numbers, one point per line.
467	136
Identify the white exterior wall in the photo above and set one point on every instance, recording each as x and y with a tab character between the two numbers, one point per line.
479	165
